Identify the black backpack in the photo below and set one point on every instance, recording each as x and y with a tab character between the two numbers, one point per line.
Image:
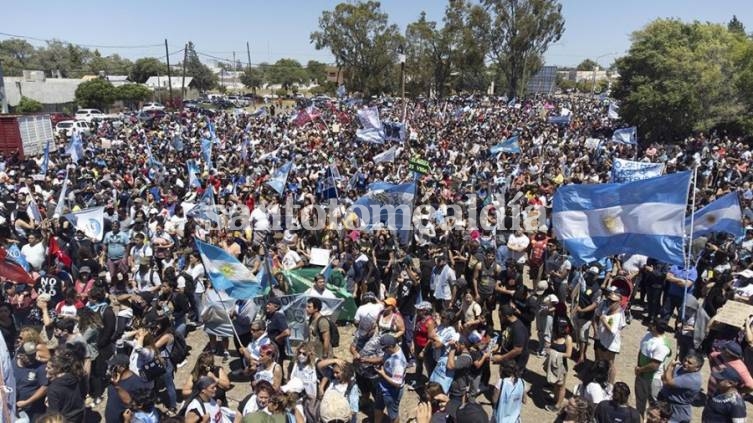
334	333
190	283
179	350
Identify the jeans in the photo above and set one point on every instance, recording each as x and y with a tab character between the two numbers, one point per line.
169	380
671	304
410	322
180	326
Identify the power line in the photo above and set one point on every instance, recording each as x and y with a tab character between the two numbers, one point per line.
26	37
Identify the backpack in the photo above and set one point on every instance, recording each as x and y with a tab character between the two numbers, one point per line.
179	350
190	283
334	333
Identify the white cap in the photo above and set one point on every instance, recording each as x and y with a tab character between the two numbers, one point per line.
294	385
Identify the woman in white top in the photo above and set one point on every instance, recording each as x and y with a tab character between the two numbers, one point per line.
304	370
203	407
611	320
268	369
597	389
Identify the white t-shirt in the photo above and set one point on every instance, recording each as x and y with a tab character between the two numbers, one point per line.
518	243
260	219
634	263
596	394
34	255
368	313
290	259
211	408
656	349
609	339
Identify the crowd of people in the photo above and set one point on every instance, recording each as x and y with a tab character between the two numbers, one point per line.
453	311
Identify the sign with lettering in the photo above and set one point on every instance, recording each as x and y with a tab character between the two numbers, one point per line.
419	165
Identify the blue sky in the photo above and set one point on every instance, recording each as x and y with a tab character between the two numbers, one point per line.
281	28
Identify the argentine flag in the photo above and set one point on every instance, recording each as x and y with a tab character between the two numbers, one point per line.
280	178
388	204
642	217
227	273
722	215
509	145
626	135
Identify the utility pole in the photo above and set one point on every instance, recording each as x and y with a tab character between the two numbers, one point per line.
3	98
401	57
248	53
183	82
234	62
169	82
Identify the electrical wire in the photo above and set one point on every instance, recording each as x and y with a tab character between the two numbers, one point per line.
81	45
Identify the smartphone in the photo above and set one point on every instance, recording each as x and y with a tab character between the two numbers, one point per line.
492	344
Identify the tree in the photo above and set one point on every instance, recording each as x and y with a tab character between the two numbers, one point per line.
317	71
465	31
132	94
16	56
587	65
28	105
679	77
252	78
287	72
521	31
363	42
736	26
95	93
203	77
110	65
145	68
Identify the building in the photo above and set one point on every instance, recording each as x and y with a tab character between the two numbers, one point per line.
588	76
159	84
335	74
55	94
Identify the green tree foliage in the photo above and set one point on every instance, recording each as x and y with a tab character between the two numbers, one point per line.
287	72
427	54
317	71
16	56
520	33
28	105
95	93
587	65
682	77
132	94
203	77
466	29
363	41
145	68
736	26
252	78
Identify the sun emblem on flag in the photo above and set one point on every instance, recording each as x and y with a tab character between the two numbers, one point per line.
612	223
710	218
227	270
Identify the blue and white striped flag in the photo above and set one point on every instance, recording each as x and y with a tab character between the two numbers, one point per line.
61	199
280	178
509	145
14	253
46	159
329	184
372	135
206	153
369	118
76	147
227	273
386	156
33	210
193	170
626	135
614	111
629	171
722	215
642	217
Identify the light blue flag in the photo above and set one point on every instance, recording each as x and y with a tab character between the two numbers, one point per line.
329	184
33	210
45	160
151	162
76	147
213	132
388	204
90	221
614	111
205	208
372	135
626	135
642	217
61	199
280	178
386	156
629	171
509	145
369	118
722	215
227	273
341	91
394	131
512	102
206	152
193	170
15	254
560	120
259	113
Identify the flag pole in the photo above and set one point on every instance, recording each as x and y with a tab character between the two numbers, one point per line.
690	239
227	313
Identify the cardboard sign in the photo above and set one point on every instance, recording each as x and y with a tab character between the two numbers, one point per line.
734	313
320	256
419	165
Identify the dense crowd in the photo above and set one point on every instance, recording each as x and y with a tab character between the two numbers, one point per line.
438	312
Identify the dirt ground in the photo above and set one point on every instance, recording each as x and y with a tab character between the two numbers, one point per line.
533	411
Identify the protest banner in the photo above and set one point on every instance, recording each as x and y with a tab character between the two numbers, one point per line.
734	313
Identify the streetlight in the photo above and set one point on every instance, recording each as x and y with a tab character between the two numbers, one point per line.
401	58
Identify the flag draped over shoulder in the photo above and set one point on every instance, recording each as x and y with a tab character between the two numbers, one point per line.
642	217
227	273
626	135
722	215
280	178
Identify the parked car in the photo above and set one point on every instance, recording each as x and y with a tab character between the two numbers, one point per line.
149	115
152	106
67	127
89	115
58	117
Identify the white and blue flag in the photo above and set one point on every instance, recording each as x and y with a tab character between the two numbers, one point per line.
642	217
14	253
280	178
509	145
33	210
388	204
206	153
227	273
61	199
45	160
193	170
626	135
372	135
386	156
90	221
614	111
76	147
722	215
629	171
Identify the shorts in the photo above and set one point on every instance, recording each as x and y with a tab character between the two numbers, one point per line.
582	330
390	404
598	346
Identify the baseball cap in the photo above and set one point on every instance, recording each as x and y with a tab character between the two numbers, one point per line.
541	286
386	341
29	349
334	407
390	302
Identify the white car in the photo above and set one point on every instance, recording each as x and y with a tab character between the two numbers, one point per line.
89	115
153	106
67	127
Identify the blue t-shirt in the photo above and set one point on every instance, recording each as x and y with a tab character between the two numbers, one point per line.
680	272
116	245
394	366
723	408
681	396
510	401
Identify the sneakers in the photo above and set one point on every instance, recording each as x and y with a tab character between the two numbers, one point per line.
552	408
182	363
225	356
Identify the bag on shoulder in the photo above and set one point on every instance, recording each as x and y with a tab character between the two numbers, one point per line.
179	350
334	332
154	369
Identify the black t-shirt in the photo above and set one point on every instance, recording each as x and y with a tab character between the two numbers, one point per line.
407	293
28	380
585	299
723	408
52	285
114	408
276	324
611	412
517	335
462	379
